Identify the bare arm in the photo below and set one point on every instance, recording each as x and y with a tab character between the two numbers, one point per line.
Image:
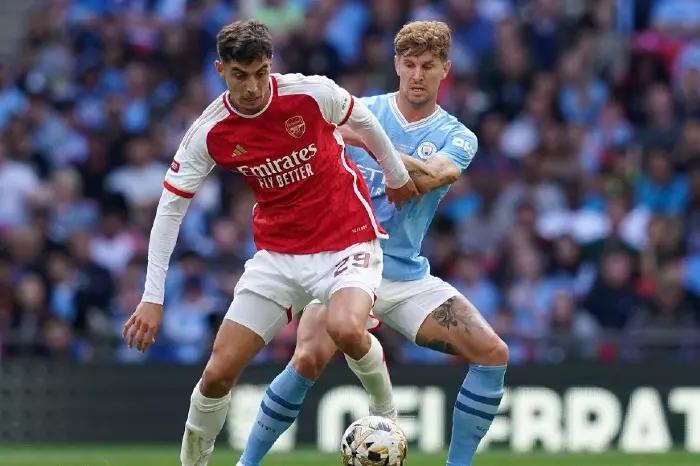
436	172
427	176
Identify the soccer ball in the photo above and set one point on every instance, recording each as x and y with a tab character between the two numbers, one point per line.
373	441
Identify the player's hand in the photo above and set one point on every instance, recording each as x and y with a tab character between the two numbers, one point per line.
402	195
141	328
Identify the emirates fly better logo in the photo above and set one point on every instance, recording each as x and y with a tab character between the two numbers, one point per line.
295	126
278	172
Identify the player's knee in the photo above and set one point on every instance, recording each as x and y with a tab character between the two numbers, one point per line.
217	380
495	352
346	336
308	363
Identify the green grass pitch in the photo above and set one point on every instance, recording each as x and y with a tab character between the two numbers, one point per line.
168	456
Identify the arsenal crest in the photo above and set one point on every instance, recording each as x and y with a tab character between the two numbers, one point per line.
295	126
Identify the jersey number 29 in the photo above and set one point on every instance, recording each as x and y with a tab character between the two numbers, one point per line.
361	260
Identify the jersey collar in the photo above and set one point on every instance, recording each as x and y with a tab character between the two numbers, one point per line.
273	94
415	124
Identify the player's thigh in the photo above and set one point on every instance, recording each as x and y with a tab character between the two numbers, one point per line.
405	305
259	314
432	313
358	267
348	312
346	282
314	348
456	327
270	275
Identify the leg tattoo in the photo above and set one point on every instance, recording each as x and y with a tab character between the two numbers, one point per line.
456	312
454	315
444	314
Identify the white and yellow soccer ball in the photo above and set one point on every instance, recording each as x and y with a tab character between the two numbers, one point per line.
373	441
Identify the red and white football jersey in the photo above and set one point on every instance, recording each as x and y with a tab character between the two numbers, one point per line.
310	196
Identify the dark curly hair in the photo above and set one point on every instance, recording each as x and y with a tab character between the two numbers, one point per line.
244	41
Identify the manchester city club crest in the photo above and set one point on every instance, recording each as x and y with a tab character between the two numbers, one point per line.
295	126
426	149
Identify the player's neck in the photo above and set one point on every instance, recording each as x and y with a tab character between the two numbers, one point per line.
266	100
412	112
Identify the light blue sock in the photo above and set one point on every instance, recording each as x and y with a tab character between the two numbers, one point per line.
475	408
278	410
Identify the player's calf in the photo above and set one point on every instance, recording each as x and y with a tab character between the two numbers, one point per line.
234	346
346	325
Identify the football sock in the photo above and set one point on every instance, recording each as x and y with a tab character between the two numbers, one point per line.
374	376
474	410
205	420
278	410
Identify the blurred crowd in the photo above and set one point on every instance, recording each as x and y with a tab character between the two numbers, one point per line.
575	231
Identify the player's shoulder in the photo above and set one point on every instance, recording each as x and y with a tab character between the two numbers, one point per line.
297	83
376	101
451	125
215	112
456	136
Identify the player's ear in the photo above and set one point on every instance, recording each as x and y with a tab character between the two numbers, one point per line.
219	67
446	66
396	64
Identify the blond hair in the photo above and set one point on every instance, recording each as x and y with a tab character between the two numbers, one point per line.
417	37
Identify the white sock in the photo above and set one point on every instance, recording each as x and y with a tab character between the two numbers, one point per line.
372	372
204	422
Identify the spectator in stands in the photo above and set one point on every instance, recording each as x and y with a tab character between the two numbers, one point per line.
564	100
467	276
612	300
18	185
574	333
29	314
659	188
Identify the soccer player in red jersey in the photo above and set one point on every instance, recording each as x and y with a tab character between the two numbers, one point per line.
279	132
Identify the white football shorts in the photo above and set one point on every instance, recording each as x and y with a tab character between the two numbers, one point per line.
404	305
290	281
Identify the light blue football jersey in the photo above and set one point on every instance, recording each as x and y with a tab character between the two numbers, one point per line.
439	133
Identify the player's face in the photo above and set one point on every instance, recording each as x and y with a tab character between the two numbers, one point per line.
248	84
420	76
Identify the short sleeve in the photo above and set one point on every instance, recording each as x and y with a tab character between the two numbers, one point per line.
335	102
191	164
460	147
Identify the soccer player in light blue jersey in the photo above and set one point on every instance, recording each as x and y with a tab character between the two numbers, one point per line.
422	307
